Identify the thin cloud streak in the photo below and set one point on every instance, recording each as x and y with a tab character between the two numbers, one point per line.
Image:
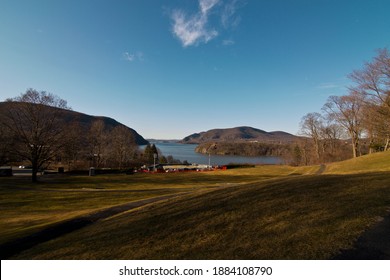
228	42
328	86
331	86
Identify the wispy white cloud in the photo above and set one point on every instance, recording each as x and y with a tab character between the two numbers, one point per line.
328	86
195	28
206	5
127	56
191	30
133	56
337	84
228	42
229	16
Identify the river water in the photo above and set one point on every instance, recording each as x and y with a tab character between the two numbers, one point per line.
187	152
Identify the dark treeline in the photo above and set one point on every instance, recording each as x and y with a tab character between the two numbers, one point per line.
299	152
243	148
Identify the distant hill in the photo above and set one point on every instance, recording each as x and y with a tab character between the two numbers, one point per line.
86	121
239	134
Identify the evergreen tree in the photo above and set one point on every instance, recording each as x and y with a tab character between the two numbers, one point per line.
149	152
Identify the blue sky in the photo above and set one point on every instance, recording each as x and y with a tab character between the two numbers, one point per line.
172	68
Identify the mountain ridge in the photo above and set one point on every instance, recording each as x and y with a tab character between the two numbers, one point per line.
85	121
239	134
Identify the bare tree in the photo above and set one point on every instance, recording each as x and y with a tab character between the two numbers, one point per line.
5	144
97	139
74	144
373	83
368	82
123	145
383	58
377	125
35	124
312	125
302	152
347	110
331	133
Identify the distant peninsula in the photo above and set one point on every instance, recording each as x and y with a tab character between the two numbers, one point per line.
240	134
242	141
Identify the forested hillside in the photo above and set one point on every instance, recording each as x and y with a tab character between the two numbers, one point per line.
239	134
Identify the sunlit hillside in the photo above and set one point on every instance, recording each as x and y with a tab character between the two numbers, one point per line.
376	162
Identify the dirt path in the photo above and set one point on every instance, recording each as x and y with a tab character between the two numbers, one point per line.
373	244
321	169
12	248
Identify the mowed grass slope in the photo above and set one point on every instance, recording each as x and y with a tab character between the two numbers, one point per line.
26	208
378	162
289	217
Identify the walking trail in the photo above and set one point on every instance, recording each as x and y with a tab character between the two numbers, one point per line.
321	169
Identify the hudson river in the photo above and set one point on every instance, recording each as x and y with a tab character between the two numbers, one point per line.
187	152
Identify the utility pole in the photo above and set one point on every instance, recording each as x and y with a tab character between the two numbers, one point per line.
154	161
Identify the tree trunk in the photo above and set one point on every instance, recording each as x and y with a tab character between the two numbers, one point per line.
34	177
317	149
387	143
355	146
34	163
371	150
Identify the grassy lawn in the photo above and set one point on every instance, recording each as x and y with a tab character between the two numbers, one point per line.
26	208
370	163
291	218
267	212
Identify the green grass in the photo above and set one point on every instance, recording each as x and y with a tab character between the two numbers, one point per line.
267	212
